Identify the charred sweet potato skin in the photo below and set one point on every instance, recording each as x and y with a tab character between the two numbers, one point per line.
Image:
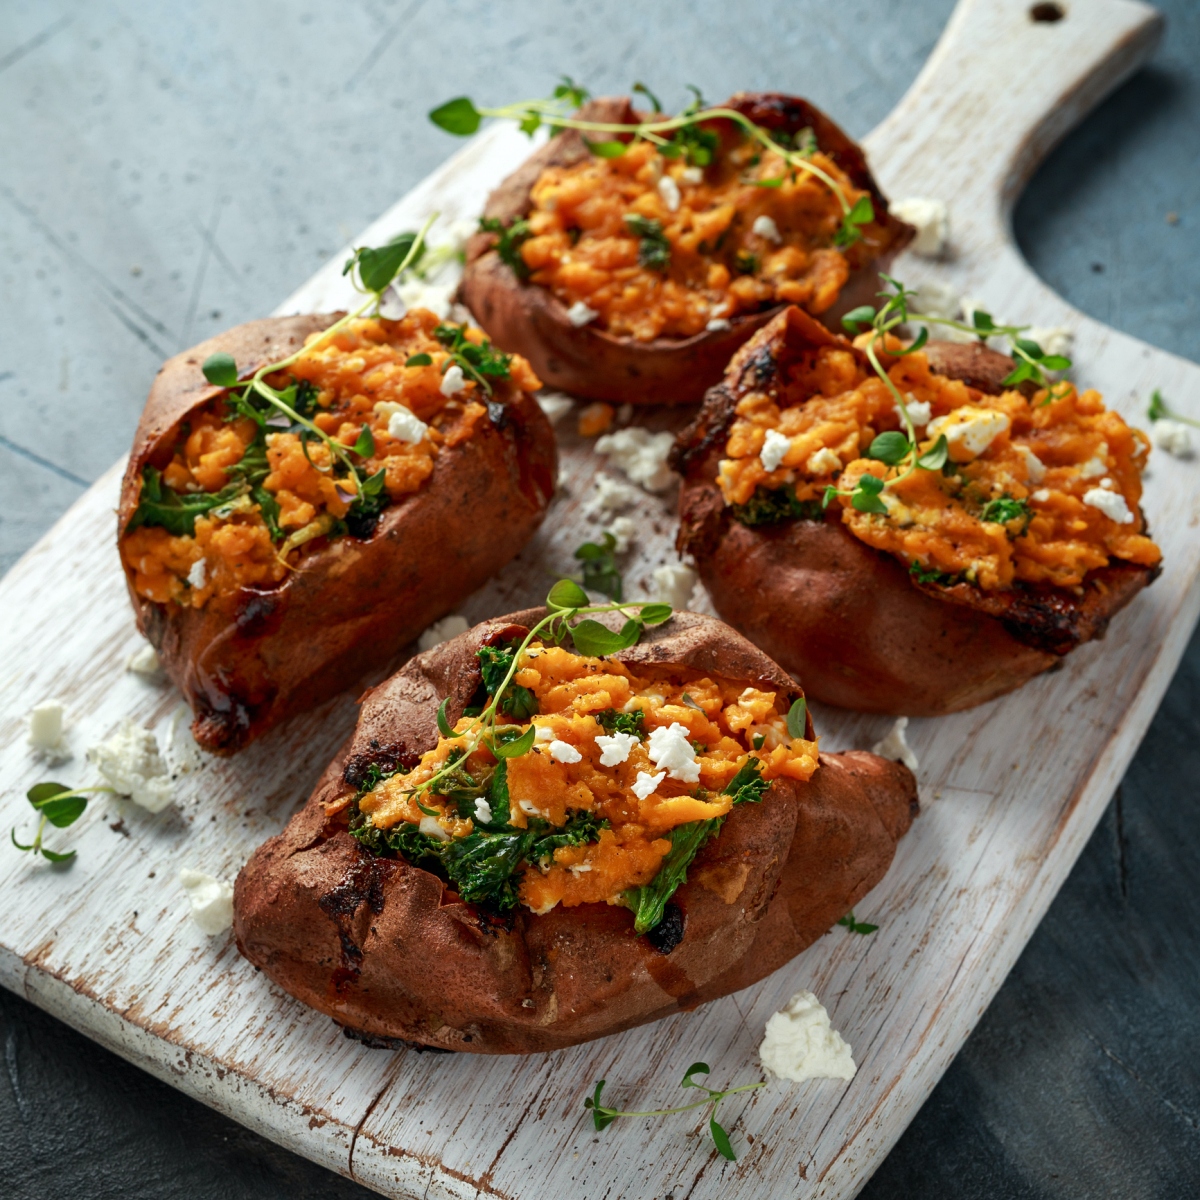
250	660
849	620
595	365
386	950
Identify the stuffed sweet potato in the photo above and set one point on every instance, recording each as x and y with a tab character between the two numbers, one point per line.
634	277
961	582
661	837
276	555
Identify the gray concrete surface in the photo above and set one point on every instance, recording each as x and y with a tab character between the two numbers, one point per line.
170	169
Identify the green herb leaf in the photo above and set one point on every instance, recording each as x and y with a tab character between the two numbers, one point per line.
757	741
797	724
865	496
606	149
655	614
769	506
567	594
573	93
747	264
602	1119
518	746
697	1068
643	90
854	321
52	856
623	722
1158	408
1055	362
917	343
649	901
443	722
654	251
891	447
1004	510
365	446
861	213
418	360
829	496
1019	374
220	370
721	1140
860	927
377	268
41	792
494	665
747	786
923	575
598	641
934	459
982	321
458	116
63	810
600	571
176	512
511	238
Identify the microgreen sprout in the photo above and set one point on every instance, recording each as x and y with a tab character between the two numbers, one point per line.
856	926
57	805
1159	410
600	570
683	136
602	1116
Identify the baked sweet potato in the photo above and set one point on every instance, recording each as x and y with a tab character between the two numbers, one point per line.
292	591
391	950
897	624
649	341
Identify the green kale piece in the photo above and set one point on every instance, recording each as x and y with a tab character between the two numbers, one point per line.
748	785
654	250
511	239
623	722
649	901
494	662
1004	510
768	506
175	511
921	575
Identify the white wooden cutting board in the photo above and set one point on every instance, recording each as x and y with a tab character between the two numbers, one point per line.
1011	790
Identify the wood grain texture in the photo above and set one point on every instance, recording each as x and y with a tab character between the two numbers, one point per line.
107	945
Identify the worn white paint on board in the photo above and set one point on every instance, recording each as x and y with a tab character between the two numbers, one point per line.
1009	799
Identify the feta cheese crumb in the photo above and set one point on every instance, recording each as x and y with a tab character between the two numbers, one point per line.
579	314
131	763
46	729
930	218
765	227
530	809
144	661
1111	504
800	1043
895	746
406	426
543	733
612	495
969	429
1033	465
718	325
1173	436
453	382
645	783
442	631
615	748
936	299
413	293
920	412
555	405
1040	496
197	577
624	531
673	584
692	175
775	447
670	749
483	811
1097	465
642	455
564	752
432	827
668	189
823	462
211	899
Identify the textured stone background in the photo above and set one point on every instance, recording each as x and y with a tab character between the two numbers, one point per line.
167	170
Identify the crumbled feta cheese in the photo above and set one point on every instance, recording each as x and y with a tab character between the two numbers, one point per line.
453	382
406	426
969	428
692	175
211	898
1173	436
432	827
615	748
668	189
415	293
131	763
623	530
197	577
529	808
579	314
1106	482
1040	496
673	584
930	218
895	745
543	733
612	495
920	412
765	227
442	631
483	811
645	783
670	749
935	299
1055	339
555	405
898	512
579	868
1034	466
800	1043
144	661
46	729
1111	504
564	752
642	455
719	325
1097	465
775	447
823	462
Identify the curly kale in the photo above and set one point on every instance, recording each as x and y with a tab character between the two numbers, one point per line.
769	506
623	722
494	663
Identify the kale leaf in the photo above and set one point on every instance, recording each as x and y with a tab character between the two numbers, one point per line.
623	722
1004	510
494	662
768	506
654	251
649	900
175	511
922	575
511	239
748	785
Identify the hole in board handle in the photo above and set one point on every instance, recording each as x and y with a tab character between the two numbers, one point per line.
1047	14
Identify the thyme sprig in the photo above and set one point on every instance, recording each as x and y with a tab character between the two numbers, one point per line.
681	135
57	805
603	1116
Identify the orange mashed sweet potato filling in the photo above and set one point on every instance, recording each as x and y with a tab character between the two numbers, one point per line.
734	248
723	722
361	380
1073	466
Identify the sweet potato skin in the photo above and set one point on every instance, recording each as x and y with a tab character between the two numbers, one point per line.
849	620
387	951
594	365
248	661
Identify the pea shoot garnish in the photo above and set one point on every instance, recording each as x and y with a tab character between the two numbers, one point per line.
57	805
854	926
1160	410
602	1116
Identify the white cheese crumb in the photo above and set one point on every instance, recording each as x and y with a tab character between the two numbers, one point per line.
453	382
775	447
615	748
800	1043
564	752
670	749
46	729
1097	465
645	783
413	293
692	175
579	314
668	189
624	531
432	827
1040	496
555	405
131	763
1174	437
823	462
1111	504
212	900
406	426
529	808
719	325
936	299
483	811
930	218
969	428
1107	483
920	412
765	227
197	577
612	495
1054	339
543	733
642	455
1033	465
895	746
673	584
442	631
144	661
